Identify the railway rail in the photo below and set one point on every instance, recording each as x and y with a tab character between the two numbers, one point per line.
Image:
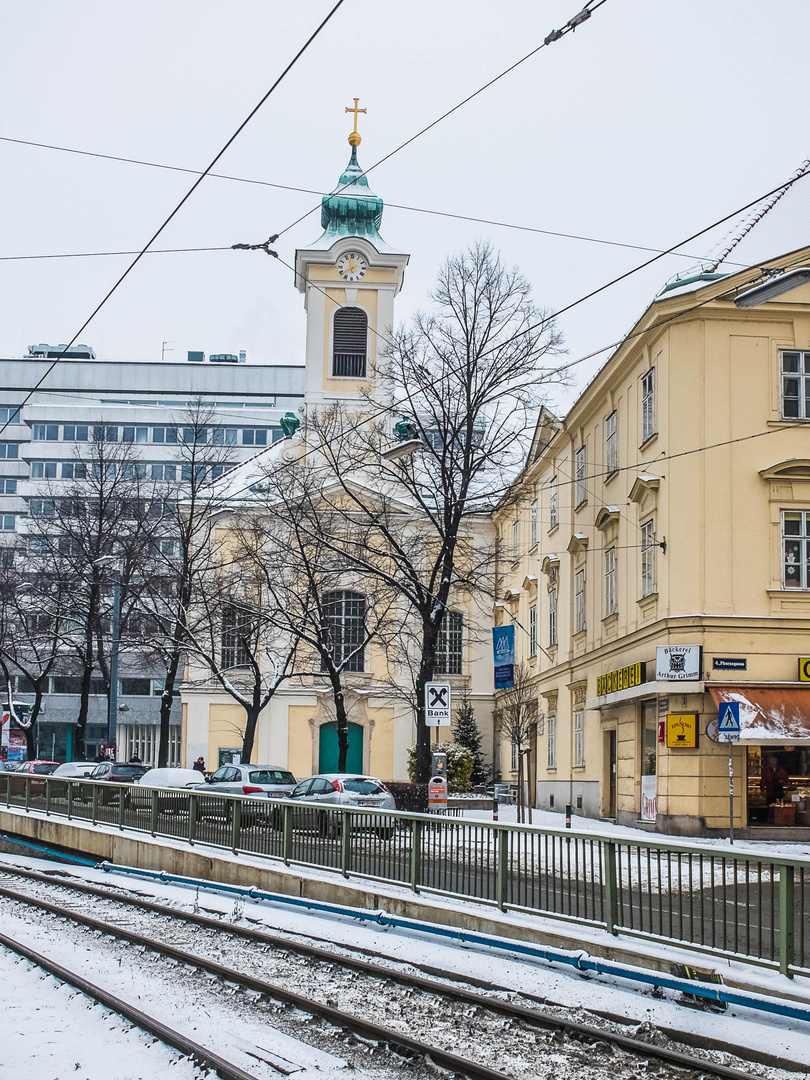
532	1016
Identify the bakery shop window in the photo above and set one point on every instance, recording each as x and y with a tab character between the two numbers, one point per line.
779	785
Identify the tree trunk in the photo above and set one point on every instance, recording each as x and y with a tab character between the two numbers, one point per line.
30	731
166	700
84	709
251	723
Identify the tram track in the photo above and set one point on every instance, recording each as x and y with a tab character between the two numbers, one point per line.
471	1001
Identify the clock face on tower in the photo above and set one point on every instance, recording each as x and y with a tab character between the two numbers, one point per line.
352	266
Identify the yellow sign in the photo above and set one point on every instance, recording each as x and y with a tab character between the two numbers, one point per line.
622	679
682	730
804	669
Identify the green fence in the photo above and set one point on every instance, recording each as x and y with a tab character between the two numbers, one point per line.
718	900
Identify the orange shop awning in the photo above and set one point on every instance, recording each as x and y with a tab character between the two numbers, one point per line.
770	714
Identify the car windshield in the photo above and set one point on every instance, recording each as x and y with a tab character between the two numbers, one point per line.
271	776
363	787
129	770
48	767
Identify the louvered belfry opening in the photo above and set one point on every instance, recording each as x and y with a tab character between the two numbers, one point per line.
350	343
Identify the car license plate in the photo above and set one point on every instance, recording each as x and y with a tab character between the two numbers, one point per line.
370	802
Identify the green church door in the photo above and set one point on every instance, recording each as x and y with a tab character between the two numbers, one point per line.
328	749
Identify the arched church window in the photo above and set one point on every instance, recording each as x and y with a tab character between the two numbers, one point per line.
345	626
349	343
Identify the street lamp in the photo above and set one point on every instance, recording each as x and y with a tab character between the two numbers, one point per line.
112	700
773	288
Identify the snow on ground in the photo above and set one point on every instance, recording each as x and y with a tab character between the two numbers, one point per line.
550	819
52	1032
739	1027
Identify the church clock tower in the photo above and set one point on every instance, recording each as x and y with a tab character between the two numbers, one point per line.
349	279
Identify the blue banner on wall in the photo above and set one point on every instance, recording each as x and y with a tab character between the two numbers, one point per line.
503	651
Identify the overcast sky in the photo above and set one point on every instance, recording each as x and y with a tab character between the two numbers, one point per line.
651	121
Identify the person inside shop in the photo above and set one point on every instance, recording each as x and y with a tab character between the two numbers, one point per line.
772	780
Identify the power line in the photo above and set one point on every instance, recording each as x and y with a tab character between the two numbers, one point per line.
100	254
182	203
555	35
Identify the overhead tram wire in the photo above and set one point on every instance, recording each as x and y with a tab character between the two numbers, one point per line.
311	191
555	35
180	205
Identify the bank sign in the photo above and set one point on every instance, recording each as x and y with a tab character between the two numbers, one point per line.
678	663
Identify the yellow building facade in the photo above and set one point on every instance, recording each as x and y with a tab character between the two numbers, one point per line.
349	280
656	565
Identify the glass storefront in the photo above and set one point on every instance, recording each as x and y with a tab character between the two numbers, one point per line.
778	785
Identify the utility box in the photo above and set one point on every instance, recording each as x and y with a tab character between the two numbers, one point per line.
438	764
437	794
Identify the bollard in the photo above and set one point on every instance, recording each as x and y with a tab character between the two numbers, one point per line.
568	815
494	807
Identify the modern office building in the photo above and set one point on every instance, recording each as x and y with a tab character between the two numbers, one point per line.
141	403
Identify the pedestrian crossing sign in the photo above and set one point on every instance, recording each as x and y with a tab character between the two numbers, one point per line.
728	720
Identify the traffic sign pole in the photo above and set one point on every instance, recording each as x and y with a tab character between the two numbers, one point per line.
728	728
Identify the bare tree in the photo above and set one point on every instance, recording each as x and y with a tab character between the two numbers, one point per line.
180	559
516	718
85	531
468	377
31	632
232	640
296	546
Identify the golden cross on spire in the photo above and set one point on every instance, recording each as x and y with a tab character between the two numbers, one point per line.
354	138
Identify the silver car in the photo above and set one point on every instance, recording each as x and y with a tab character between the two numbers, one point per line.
268	780
341	789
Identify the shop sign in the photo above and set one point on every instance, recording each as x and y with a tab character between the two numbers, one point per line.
621	679
678	663
649	798
804	669
503	652
682	731
729	663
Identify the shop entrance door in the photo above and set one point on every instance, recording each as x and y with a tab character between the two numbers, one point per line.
612	766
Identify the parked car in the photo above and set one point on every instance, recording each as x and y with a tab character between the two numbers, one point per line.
139	794
255	781
119	772
115	772
32	768
341	789
270	780
72	769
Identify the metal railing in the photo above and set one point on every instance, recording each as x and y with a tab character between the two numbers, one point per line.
720	901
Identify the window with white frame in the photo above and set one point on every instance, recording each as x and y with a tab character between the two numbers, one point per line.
796	549
648	405
45	432
648	546
515	538
610	581
551	742
76	432
533	630
579	601
552	502
8	522
552	616
345	627
8	486
236	631
579	738
795	385
611	444
450	644
580	464
533	524
9	450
